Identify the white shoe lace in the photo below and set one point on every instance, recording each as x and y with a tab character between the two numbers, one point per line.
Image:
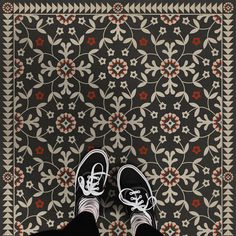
91	185
136	201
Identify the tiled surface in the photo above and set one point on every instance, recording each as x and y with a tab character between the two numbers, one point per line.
144	82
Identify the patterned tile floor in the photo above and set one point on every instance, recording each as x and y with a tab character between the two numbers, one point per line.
145	84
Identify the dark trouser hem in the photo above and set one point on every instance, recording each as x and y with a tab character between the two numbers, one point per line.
82	225
147	230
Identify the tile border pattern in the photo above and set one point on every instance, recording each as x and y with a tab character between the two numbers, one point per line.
9	10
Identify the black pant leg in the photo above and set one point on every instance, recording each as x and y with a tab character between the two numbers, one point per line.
49	233
147	230
82	225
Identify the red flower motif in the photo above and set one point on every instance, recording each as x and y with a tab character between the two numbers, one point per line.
91	41
196	150
39	42
196	41
90	147
91	95
39	150
196	95
143	96
39	204
143	150
196	203
39	95
143	42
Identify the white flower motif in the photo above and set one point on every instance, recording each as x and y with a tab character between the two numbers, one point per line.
20	193
29	76
162	139
123	84
133	74
125	52
71	31
123	159
19	84
162	30
102	61
71	214
102	76
59	214
185	129
177	106
216	84
72	139
112	160
154	114
185	223
177	30
50	114
81	129
206	62
50	129
19	159
60	106
29	169
185	114
177	139
206	183
216	160
206	74
81	21
60	31
133	62
111	84
21	52
154	20
186	20
50	223
49	21
71	106
154	129
177	214
29	184
162	106
29	61
81	114
216	193
215	52
111	52
60	139
206	170
162	214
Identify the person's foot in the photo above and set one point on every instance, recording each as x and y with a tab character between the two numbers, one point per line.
135	192
90	181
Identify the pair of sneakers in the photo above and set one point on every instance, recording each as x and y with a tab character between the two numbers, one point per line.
134	189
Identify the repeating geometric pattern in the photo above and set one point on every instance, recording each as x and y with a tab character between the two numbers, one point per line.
153	88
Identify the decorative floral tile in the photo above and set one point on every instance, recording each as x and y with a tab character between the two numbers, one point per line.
149	83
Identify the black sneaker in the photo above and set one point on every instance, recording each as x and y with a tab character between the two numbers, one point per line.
91	176
135	192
